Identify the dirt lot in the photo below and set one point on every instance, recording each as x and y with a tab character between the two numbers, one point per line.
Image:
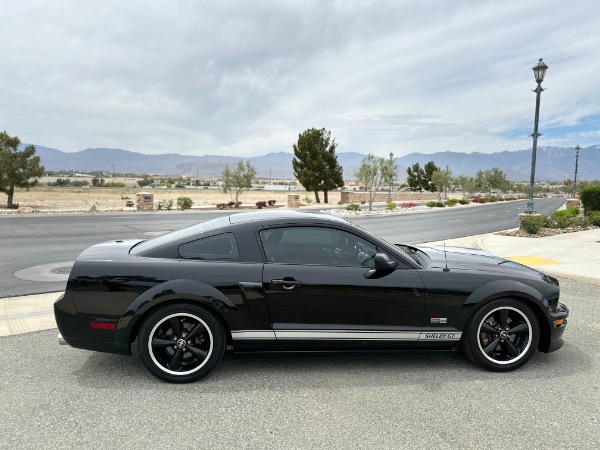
116	198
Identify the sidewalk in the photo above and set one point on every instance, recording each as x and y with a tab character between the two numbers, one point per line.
572	255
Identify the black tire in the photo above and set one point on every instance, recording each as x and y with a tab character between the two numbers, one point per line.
502	335
181	343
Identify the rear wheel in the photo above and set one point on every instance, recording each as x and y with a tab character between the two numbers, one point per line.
181	343
502	335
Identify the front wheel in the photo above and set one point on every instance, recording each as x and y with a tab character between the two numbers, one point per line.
181	343
502	335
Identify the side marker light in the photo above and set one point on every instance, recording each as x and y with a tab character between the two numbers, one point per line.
103	325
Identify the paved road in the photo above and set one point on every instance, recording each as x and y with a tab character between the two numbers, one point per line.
59	397
31	240
449	223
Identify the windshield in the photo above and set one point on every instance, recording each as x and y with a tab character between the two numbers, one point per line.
180	234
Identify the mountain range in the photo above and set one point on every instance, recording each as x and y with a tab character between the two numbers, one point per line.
553	163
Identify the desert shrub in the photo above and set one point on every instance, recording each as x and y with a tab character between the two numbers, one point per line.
230	204
532	223
114	184
352	207
261	204
452	202
307	200
593	217
272	202
408	205
569	212
391	206
433	204
564	219
221	205
464	201
80	183
184	203
166	205
590	198
492	199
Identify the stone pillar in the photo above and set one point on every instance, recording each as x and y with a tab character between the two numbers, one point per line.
144	201
344	197
293	201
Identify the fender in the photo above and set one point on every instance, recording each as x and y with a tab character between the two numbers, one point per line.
506	288
164	292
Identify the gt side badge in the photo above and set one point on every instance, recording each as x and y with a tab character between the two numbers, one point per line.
438	320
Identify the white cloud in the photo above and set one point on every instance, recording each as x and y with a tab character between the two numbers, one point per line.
244	78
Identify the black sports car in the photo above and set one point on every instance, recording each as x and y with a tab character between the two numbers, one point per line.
288	281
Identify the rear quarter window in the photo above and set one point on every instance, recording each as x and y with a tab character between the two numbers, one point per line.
221	246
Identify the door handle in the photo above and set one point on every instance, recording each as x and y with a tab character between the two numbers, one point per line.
286	283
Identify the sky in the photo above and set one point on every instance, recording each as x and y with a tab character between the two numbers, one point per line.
244	78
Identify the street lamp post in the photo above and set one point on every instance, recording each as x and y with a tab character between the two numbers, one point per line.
539	72
577	149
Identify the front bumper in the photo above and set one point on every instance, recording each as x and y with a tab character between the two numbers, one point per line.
557	328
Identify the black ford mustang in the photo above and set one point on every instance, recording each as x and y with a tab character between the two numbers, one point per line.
289	281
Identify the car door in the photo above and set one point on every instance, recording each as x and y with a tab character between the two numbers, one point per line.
322	291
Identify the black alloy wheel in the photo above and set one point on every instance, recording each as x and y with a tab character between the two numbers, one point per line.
181	343
502	335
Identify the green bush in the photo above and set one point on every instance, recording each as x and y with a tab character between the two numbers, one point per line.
184	203
532	223
165	205
564	219
433	204
590	198
464	201
593	217
352	207
391	206
452	202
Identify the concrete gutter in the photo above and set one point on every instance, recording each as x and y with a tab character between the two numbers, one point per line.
27	313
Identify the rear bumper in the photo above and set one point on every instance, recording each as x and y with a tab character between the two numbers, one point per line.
74	330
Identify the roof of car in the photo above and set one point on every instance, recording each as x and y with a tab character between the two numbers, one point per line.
280	215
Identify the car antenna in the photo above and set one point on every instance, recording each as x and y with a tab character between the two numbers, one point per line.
446	258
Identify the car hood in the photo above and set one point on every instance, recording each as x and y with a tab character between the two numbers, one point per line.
472	259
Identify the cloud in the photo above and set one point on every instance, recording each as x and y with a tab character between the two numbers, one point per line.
244	78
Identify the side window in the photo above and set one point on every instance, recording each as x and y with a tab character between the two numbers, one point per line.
316	245
222	246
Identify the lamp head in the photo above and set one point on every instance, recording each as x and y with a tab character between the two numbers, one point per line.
539	71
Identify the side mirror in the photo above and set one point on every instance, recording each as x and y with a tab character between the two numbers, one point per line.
383	262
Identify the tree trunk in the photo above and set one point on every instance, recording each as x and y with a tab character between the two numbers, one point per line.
10	194
317	198
325	198
371	198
